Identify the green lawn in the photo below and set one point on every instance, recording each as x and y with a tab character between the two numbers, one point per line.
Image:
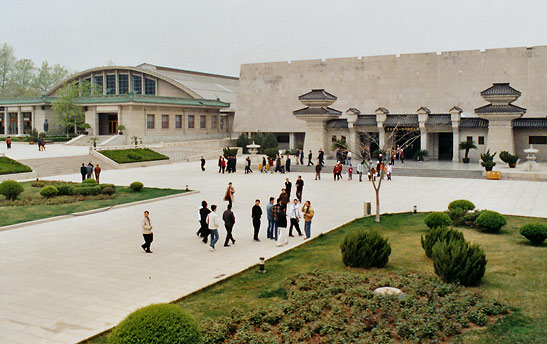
22	213
8	166
514	275
124	156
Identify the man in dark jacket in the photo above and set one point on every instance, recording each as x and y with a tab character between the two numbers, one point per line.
299	188
204	229
321	158
288	163
202	161
256	214
83	171
284	197
288	187
229	221
309	159
89	170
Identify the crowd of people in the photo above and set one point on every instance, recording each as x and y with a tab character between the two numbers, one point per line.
87	171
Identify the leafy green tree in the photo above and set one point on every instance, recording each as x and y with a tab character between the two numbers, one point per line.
67	112
22	77
48	76
7	61
269	141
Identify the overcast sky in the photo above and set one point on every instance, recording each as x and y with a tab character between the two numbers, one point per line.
219	36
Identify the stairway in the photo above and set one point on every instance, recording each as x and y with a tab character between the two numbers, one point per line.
64	165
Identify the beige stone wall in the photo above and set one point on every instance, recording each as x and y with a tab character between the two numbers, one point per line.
474	154
521	143
268	92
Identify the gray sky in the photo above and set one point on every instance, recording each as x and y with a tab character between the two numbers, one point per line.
218	36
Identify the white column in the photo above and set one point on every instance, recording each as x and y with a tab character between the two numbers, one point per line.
381	137
19	122
292	141
455	144
423	139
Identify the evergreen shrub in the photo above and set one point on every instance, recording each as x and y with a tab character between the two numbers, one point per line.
437	234
535	232
87	190
365	249
49	191
490	221
11	189
103	186
457	261
461	204
89	181
271	152
108	191
136	186
65	190
437	219
159	323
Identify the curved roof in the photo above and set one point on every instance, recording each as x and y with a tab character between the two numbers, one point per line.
134	69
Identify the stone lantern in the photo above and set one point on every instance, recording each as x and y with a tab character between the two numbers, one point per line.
316	114
500	114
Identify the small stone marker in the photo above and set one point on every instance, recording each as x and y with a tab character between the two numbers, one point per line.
388	291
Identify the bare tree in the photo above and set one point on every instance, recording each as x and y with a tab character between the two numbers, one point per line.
364	153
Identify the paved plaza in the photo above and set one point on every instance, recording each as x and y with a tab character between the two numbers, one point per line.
66	280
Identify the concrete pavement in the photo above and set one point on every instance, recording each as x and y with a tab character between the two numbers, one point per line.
64	281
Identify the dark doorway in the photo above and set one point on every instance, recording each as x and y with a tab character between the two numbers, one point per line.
445	146
408	139
108	124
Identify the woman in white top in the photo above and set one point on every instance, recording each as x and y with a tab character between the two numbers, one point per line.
147	232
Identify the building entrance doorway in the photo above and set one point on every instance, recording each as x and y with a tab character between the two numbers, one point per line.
408	139
108	123
445	146
13	127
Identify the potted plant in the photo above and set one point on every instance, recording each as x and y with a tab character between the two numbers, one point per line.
466	146
420	154
33	136
509	158
488	160
85	127
121	128
93	140
135	140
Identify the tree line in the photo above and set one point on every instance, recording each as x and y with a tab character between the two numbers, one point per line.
22	78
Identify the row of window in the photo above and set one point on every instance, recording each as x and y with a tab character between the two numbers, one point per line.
151	122
123	84
480	139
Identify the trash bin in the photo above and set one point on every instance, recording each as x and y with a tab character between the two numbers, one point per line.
368	208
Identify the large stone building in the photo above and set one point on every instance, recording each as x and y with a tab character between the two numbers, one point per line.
438	95
153	103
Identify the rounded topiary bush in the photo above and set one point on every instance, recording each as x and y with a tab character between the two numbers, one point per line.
11	189
108	191
160	323
87	190
461	204
65	190
136	186
439	234
437	219
365	249
90	181
458	262
49	191
490	221
535	232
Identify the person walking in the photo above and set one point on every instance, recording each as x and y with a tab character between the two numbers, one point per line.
8	142
389	169
299	188
214	223
147	232
229	195
203	231
321	157
97	171
256	213
263	167
83	171
202	163
275	211
308	216
350	172
288	187
270	231
89	170
360	171
282	164
281	218
284	197
309	158
219	163
288	163
229	221
302	157
294	215
348	157
318	171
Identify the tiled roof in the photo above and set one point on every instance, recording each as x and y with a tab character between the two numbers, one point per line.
438	119
317	94
402	121
337	123
424	109
509	108
501	89
317	111
381	109
530	122
366	121
144	99
26	100
474	122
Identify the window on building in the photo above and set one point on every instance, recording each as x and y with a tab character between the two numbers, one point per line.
537	140
190	121
481	140
333	138
137	84
214	122
164	121
150	119
123	83
27	122
149	86
343	138
202	121
178	121
111	84
469	138
98	84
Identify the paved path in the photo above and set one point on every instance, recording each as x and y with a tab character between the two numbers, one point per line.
64	281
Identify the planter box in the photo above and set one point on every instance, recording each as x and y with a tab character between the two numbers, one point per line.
494	175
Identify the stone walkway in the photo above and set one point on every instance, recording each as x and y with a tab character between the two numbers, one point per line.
64	281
